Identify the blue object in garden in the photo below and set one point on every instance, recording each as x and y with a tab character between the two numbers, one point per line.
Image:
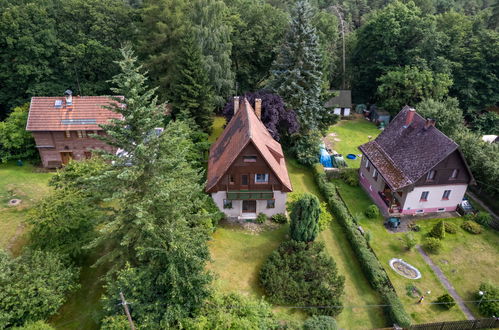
325	158
19	162
351	156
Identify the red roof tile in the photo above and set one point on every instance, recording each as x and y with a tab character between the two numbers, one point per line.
245	127
86	113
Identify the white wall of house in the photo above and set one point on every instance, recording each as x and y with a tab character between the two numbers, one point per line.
434	201
261	205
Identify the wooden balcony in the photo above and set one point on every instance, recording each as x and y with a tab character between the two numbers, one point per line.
250	194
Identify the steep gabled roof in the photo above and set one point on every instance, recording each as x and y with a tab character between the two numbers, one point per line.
403	154
245	128
86	113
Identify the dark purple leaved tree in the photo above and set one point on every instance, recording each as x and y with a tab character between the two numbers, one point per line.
275	116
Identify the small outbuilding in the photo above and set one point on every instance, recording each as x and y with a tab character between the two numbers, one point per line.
341	103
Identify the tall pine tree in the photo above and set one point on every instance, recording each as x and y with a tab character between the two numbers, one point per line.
296	75
191	92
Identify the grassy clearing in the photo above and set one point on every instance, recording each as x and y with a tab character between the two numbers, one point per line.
459	260
27	184
352	133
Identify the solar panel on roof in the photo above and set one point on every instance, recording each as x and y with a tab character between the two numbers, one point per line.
58	103
78	121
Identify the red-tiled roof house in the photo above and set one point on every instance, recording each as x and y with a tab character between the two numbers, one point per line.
61	126
413	168
247	171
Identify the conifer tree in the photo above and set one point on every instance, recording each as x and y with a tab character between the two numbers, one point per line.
438	231
191	92
305	218
296	75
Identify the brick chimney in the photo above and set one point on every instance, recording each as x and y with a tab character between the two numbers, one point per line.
410	117
236	104
429	123
69	96
258	108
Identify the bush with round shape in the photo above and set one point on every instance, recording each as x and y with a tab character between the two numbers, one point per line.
472	227
305	214
432	245
450	227
261	218
320	322
415	227
483	218
372	211
409	241
438	231
279	218
489	301
446	301
303	274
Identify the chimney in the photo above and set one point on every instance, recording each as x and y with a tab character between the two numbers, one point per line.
258	108
429	123
410	117
236	104
69	97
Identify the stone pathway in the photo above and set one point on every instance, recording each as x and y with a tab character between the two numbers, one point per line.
446	284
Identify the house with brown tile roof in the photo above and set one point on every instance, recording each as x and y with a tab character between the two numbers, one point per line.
247	171
62	126
414	168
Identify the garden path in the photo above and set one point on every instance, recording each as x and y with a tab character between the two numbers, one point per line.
446	284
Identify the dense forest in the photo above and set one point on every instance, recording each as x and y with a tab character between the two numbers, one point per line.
188	58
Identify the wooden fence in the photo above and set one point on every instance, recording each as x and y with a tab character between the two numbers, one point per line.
490	323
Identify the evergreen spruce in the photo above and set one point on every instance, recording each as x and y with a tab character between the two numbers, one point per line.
438	231
305	218
296	75
191	90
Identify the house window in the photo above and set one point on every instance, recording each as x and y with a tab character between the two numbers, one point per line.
431	175
270	203
368	165
261	178
424	196
231	179
441	209
249	159
455	173
67	134
420	211
227	204
244	179
375	175
446	194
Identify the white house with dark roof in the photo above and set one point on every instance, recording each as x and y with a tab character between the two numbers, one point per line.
413	168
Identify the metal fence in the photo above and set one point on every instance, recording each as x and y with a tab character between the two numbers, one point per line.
490	323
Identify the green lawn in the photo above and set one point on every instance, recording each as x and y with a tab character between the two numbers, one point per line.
459	260
21	182
352	133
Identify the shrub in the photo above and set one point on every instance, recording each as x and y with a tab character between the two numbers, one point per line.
438	231
304	216
325	218
472	227
350	176
302	274
415	227
446	301
432	245
279	218
483	218
372	211
489	302
261	218
320	322
450	227
409	241
413	291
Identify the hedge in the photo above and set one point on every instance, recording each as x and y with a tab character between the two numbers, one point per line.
370	264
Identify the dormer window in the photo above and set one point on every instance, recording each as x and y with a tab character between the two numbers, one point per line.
431	175
249	159
455	173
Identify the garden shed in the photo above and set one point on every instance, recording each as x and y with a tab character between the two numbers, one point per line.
341	103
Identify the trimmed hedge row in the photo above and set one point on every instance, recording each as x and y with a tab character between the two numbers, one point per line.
370	264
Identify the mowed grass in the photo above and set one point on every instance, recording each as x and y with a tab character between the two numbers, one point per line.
19	182
388	245
352	133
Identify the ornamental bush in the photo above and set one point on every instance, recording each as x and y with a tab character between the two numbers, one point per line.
489	302
320	322
432	245
372	211
279	218
472	227
446	301
450	227
261	218
305	213
483	218
438	231
350	176
409	241
325	217
303	274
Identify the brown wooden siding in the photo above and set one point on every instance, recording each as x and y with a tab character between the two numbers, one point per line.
444	171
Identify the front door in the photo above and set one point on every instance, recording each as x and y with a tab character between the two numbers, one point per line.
66	156
249	206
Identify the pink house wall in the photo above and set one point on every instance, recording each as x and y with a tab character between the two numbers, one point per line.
373	193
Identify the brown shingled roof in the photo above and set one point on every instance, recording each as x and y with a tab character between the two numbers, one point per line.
403	155
86	114
244	128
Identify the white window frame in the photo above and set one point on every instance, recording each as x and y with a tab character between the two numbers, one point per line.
448	195
227	204
273	203
431	175
454	174
265	178
424	199
375	174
